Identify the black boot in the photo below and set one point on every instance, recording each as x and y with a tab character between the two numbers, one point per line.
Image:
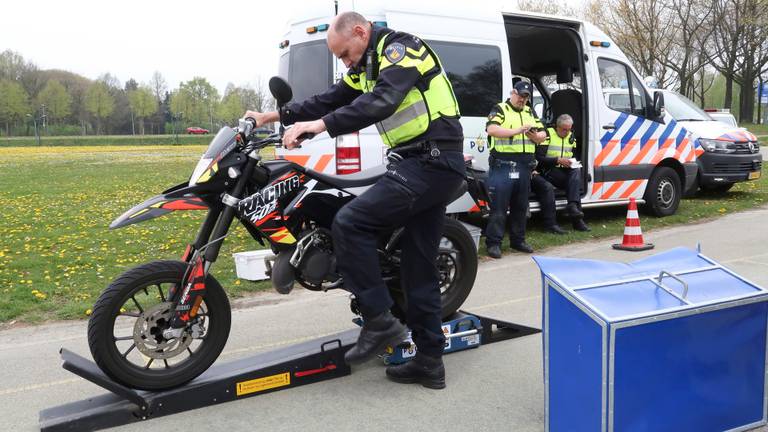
377	334
572	211
494	251
579	225
425	370
555	229
521	247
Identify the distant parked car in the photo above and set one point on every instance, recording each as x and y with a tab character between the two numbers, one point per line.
196	130
722	115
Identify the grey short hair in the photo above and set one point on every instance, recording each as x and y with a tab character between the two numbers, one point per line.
564	119
346	20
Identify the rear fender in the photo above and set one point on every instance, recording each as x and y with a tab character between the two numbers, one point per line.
175	198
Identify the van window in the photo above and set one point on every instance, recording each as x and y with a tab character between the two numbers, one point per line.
309	68
475	74
618	82
550	82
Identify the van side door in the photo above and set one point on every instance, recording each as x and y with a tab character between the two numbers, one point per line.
632	140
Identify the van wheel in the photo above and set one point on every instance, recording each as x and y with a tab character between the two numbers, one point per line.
662	196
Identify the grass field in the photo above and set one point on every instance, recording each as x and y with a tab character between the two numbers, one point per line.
57	253
758	129
108	140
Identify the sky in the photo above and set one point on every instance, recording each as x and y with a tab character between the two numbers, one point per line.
221	40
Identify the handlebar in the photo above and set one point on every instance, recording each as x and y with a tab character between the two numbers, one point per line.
246	127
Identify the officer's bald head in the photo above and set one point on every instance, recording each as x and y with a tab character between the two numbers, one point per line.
348	37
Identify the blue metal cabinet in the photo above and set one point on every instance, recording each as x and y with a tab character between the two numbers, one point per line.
673	342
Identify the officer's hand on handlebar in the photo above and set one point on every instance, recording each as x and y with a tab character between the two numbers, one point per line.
302	131
262	118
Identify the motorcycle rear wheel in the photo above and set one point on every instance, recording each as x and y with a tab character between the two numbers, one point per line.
457	269
125	329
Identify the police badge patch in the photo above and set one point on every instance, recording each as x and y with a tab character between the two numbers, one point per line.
395	52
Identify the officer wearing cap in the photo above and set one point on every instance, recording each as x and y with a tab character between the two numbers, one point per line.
555	156
513	133
396	82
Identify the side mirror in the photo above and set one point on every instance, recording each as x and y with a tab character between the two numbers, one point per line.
280	90
658	104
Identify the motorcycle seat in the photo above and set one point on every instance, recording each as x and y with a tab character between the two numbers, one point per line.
363	178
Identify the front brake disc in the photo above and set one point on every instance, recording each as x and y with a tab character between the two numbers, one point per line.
148	333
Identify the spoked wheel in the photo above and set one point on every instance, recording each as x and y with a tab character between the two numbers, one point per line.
456	266
125	332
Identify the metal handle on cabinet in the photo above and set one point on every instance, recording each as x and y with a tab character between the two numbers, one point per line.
675	277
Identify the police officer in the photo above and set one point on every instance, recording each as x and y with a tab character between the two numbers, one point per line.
513	133
554	157
396	82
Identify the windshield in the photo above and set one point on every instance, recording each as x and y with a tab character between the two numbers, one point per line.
681	108
308	69
222	144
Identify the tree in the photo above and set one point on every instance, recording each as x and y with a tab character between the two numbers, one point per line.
13	67
645	31
692	31
56	100
558	7
14	103
231	107
197	99
142	103
158	86
99	102
728	36
753	52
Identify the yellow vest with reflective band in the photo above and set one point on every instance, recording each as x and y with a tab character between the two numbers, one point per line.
559	147
512	120
419	108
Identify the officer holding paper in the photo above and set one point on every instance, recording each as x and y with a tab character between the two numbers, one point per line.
558	168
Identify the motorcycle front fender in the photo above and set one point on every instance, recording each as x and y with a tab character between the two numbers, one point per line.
171	200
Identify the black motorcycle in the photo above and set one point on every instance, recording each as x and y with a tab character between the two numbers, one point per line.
161	324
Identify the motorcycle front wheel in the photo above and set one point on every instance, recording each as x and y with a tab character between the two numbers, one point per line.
125	331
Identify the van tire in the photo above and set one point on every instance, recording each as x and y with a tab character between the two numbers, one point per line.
662	196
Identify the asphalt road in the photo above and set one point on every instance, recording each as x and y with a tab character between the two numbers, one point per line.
494	388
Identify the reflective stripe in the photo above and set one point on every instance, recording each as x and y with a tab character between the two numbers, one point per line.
633	230
405	115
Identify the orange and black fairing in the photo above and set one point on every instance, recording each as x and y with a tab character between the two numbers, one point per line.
157	206
264	209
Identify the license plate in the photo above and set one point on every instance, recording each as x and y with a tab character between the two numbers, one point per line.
754	175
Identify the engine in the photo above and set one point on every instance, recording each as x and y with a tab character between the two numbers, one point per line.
312	263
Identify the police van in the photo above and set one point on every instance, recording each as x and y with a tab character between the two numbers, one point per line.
632	150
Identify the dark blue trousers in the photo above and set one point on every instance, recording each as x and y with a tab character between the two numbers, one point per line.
509	183
544	187
413	195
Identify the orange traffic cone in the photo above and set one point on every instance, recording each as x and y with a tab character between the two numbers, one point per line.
633	235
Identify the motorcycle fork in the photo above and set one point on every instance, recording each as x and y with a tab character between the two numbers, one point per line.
206	251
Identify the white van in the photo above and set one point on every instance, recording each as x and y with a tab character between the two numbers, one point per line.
626	151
